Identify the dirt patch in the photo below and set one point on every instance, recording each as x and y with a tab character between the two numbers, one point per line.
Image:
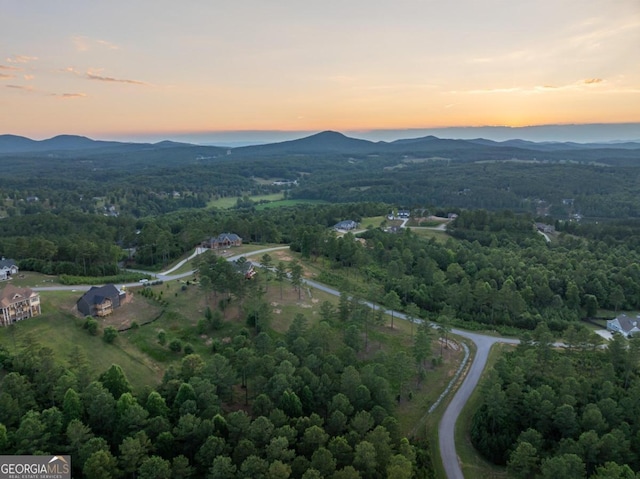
282	256
132	308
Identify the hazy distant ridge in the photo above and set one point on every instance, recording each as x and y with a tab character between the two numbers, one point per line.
320	143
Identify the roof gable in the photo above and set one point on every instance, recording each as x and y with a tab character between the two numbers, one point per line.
628	324
8	263
97	294
12	294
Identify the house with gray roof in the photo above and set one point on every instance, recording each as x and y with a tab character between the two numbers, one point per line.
100	300
346	225
8	268
625	325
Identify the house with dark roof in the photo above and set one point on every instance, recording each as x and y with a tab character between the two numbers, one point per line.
224	240
625	325
244	267
8	267
100	300
17	304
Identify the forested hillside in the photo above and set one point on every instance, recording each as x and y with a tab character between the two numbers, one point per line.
569	414
301	406
141	180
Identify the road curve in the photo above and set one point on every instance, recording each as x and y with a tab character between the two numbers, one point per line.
446	428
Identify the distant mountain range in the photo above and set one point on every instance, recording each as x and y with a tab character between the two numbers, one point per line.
21	144
327	142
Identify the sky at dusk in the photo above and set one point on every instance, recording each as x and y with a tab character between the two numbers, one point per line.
124	69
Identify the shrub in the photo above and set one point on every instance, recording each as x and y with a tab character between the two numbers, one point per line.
91	325
175	345
110	334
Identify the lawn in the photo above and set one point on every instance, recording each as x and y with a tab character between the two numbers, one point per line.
439	236
231	201
372	221
60	330
281	203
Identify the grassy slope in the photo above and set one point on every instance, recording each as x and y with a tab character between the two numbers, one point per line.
60	330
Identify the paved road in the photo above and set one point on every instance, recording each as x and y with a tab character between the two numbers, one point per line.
164	275
446	429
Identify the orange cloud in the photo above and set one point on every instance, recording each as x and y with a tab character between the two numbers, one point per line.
71	95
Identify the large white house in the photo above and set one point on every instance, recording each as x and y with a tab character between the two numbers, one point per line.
625	325
17	304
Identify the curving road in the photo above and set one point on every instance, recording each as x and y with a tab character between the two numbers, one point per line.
446	429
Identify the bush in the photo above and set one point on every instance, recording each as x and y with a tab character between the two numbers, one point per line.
91	325
175	345
162	337
188	349
110	334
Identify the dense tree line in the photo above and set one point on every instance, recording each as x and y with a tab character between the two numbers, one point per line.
570	413
302	406
77	243
499	271
598	183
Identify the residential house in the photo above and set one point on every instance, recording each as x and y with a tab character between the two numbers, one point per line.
224	240
625	325
8	267
545	228
17	304
404	214
245	267
346	225
100	300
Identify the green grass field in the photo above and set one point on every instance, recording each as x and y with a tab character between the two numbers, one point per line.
61	331
231	201
282	203
439	236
